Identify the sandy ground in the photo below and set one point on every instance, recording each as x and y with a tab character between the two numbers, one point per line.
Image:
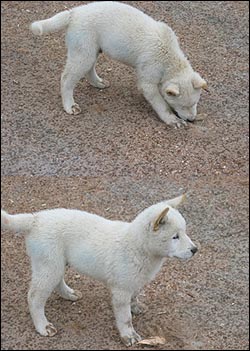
115	159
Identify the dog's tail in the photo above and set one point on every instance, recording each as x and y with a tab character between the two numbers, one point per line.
19	223
53	24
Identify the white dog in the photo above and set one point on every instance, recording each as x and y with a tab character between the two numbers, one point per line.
165	76
124	256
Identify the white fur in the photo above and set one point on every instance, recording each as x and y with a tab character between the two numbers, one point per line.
130	36
124	256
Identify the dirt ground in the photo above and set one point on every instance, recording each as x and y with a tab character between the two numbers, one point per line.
115	159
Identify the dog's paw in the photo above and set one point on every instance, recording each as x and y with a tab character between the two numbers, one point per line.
101	84
76	109
51	330
73	110
48	330
76	295
175	122
180	123
137	308
70	294
129	340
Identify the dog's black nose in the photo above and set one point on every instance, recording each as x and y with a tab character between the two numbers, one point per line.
194	250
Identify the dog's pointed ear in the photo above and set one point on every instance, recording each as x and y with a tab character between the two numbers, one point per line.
198	82
177	201
173	89
159	220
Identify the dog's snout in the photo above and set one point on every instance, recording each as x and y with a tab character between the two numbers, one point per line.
194	250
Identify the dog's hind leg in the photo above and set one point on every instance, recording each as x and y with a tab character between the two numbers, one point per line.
82	54
95	80
44	281
67	293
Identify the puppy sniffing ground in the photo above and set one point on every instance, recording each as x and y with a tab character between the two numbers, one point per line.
124	256
126	34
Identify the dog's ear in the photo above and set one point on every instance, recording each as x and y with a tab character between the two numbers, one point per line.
159	220
177	201
198	82
173	89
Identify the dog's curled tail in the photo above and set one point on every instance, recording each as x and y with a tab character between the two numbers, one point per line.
19	223
53	24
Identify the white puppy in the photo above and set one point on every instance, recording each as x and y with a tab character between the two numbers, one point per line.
165	76
124	256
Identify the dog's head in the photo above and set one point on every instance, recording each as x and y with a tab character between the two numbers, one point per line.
165	230
182	94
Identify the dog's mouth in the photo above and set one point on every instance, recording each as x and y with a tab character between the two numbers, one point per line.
184	119
183	258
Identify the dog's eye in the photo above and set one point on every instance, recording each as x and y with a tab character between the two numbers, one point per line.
176	236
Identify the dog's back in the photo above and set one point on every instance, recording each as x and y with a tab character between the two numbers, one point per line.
107	14
80	237
107	25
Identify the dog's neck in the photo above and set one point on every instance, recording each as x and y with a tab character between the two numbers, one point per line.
181	70
170	52
147	263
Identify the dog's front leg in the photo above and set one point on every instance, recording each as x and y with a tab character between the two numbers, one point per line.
121	305
153	96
